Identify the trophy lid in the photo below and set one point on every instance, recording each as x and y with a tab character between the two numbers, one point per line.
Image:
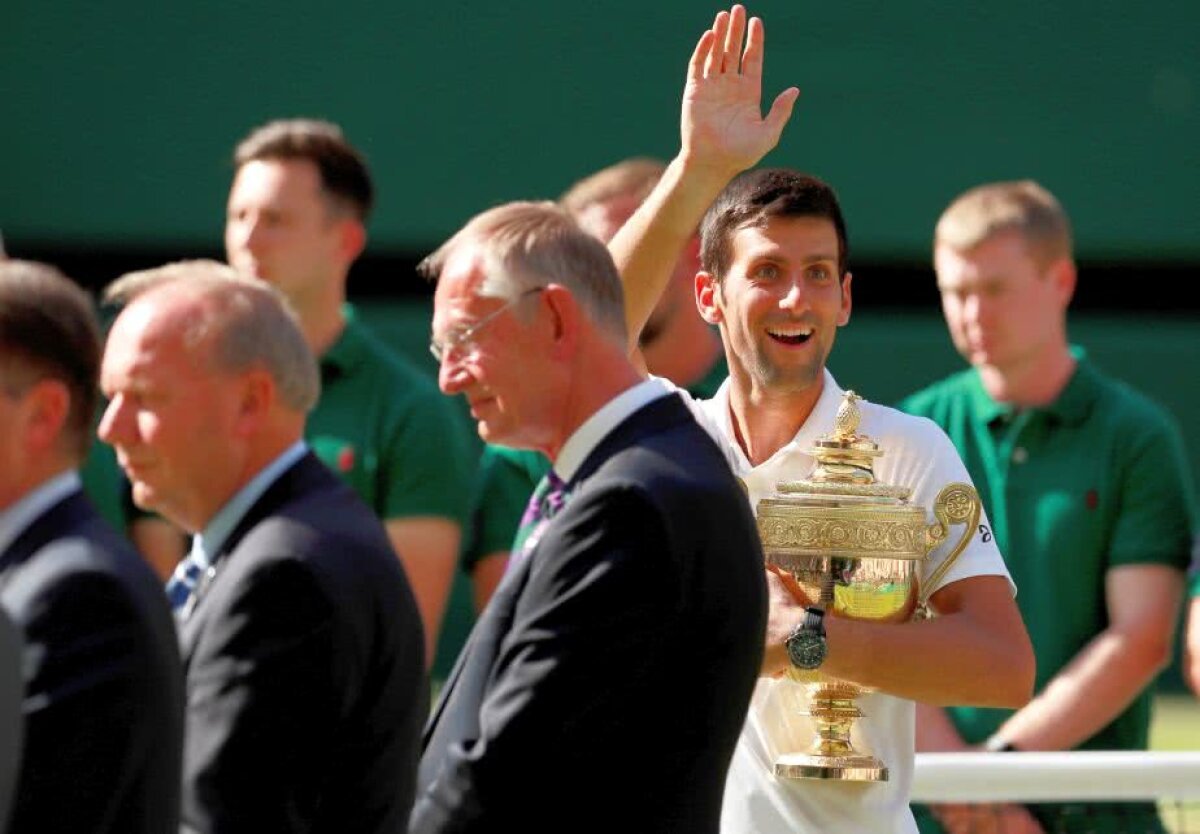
845	460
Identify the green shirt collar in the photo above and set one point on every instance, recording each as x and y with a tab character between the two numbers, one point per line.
1071	407
349	350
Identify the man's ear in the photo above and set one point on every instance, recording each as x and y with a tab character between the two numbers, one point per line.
45	406
563	318
847	303
257	397
352	238
1062	272
708	298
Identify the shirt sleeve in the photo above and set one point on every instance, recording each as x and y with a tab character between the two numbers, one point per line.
1155	523
426	466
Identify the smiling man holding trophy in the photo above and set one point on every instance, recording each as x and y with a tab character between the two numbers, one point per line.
774	280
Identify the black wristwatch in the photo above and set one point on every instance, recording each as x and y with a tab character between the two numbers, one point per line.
805	646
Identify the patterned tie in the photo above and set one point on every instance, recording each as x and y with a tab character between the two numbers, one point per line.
187	575
548	498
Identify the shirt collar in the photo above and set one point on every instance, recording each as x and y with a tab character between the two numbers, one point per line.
214	534
1071	407
819	420
16	519
585	438
348	350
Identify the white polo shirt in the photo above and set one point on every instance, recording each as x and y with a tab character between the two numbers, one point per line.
918	455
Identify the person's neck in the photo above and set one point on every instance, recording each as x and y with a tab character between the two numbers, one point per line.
765	421
684	351
321	318
1031	384
599	374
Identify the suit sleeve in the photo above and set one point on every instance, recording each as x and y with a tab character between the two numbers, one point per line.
590	626
263	699
86	668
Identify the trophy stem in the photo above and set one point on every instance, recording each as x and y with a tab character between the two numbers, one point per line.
833	710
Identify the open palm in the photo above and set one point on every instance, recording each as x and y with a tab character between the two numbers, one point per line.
722	124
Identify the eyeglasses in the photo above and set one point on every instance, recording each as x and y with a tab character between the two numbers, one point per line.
458	340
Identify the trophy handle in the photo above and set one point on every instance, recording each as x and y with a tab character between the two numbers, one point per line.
955	504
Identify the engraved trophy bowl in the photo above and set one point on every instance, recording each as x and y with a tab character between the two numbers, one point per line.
857	548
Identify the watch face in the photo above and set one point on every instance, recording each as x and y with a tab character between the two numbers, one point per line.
806	650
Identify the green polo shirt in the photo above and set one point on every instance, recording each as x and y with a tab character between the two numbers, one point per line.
383	426
1095	480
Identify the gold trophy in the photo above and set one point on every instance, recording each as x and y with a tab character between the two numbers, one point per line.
856	548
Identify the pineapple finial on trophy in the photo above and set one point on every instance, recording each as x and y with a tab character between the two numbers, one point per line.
845	425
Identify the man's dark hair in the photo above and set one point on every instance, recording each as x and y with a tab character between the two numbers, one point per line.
48	330
344	175
753	198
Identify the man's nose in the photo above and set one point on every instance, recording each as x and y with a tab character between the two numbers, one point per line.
107	430
794	296
452	374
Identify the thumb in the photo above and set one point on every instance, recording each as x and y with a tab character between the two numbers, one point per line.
781	110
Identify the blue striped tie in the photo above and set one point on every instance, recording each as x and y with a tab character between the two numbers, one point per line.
187	575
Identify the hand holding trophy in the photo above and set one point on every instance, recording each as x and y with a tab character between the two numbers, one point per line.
852	547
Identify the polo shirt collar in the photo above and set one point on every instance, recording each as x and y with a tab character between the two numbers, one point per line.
1071	407
1075	402
349	350
820	421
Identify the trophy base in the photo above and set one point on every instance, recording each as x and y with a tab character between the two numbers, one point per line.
841	768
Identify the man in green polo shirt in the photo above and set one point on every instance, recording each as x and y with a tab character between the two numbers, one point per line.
676	343
1086	485
296	218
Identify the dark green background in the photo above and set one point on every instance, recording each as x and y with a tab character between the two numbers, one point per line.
118	117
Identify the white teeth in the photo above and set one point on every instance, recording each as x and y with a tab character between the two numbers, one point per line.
790	333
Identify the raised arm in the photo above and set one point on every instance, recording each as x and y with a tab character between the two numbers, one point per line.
722	133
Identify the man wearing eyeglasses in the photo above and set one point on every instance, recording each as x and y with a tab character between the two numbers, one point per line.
608	678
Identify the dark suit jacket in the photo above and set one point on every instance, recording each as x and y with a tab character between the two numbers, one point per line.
12	687
103	687
604	687
305	670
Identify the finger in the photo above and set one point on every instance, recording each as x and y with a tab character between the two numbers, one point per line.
752	60
700	55
781	111
713	66
789	582
734	38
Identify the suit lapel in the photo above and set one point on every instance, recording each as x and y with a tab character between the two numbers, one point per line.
490	629
304	475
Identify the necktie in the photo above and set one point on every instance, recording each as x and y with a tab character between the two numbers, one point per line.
547	499
187	575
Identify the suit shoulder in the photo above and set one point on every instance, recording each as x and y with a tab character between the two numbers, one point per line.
329	529
83	574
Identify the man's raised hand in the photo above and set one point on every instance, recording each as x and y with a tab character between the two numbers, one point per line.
722	126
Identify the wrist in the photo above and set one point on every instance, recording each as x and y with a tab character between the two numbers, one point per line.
705	172
806	645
